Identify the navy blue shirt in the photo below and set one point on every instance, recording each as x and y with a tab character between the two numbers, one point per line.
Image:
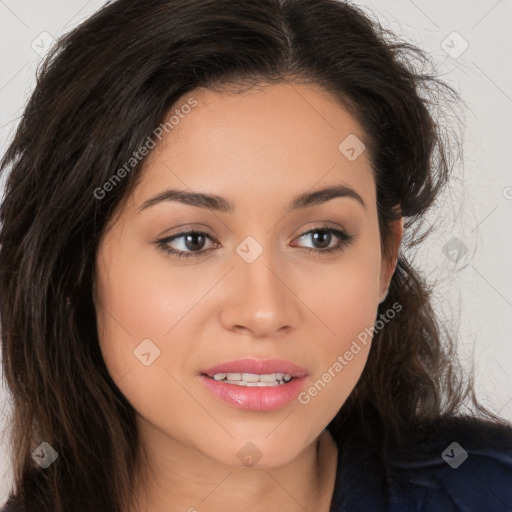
455	465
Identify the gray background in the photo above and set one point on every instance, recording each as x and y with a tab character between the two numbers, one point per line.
474	286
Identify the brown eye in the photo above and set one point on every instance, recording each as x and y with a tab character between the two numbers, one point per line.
322	238
192	244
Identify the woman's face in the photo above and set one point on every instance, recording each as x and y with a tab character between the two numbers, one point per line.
257	282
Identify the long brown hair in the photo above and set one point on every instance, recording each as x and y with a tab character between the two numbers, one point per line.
100	94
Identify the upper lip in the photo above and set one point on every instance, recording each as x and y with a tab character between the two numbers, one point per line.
258	366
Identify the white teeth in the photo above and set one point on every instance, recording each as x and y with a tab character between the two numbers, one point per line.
250	377
253	379
267	378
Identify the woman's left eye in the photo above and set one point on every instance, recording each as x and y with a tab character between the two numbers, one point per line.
192	242
324	236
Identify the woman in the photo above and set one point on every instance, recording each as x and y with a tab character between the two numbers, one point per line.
289	358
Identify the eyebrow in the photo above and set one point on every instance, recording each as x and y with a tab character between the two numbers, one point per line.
217	203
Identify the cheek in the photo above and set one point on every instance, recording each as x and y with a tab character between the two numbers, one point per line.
342	351
137	310
139	301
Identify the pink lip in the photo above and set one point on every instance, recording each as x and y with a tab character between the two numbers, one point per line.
258	366
255	398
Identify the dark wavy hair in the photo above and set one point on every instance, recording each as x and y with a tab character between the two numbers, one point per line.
100	93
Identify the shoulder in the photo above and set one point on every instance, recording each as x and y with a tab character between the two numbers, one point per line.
457	464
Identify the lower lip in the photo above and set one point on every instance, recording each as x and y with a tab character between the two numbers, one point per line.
255	398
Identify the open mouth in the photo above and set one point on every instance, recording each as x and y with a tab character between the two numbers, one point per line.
252	379
251	387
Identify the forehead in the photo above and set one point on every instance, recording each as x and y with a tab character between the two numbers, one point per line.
283	137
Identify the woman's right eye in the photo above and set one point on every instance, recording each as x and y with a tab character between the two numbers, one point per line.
190	240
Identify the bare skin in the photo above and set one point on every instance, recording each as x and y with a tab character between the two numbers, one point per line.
258	150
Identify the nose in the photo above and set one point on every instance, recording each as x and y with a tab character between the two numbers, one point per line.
261	301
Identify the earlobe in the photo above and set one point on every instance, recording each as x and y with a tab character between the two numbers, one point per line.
398	233
384	297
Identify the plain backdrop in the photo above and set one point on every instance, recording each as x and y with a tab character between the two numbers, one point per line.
469	251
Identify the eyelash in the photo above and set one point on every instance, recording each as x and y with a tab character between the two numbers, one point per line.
345	239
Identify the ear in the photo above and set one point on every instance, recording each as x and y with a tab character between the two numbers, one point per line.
388	264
